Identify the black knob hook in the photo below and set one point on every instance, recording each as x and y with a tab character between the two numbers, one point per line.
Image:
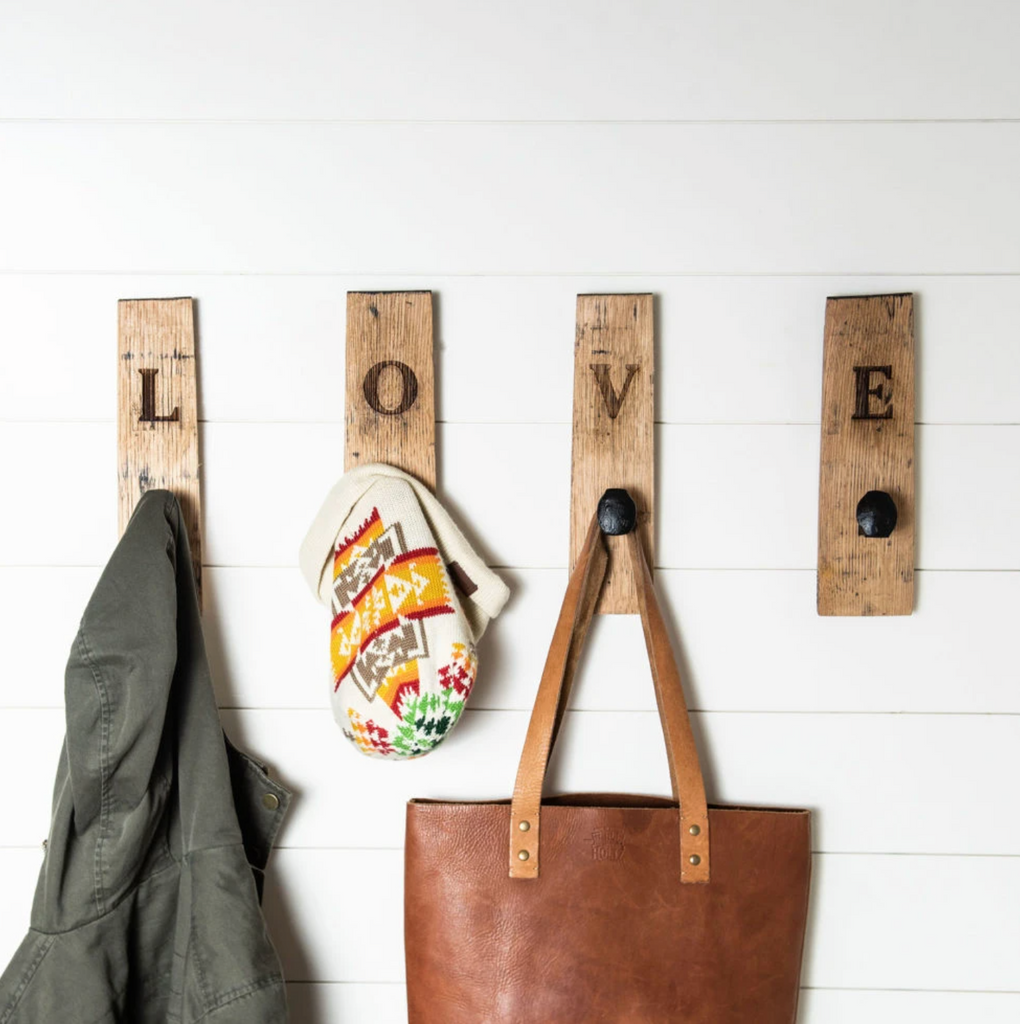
876	514
617	512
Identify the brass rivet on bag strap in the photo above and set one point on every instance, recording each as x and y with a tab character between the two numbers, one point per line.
524	826
523	855
695	859
694	830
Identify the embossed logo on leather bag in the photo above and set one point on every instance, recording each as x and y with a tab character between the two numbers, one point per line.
608	843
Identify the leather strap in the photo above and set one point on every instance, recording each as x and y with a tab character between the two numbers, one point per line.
553	695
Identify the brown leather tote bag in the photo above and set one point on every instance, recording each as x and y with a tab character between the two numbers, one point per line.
605	908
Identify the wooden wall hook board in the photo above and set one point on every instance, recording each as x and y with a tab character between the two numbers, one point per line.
157	410
613	432
389	399
866	508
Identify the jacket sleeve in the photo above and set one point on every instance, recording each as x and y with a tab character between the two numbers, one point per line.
120	673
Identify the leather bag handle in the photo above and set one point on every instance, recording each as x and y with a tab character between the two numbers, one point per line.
553	695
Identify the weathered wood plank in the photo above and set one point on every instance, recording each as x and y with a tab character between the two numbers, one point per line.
390	395
157	410
613	435
867	446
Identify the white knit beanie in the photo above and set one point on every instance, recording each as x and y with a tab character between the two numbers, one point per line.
409	599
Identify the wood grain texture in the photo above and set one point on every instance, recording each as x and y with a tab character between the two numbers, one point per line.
390	394
613	434
758	334
867	445
749	226
765	483
157	410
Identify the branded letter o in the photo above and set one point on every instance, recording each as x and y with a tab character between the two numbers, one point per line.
408	393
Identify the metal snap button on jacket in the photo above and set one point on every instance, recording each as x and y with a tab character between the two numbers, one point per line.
147	908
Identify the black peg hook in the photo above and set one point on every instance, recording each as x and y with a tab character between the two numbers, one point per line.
876	514
617	512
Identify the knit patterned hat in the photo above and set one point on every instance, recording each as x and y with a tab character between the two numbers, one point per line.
409	599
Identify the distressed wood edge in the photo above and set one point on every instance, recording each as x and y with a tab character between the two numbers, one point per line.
191	507
615	602
905	608
423	468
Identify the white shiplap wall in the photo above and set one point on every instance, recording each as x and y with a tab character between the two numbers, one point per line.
742	160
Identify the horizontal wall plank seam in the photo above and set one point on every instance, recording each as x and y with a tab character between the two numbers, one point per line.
301	709
22	847
848	988
382	275
277	566
105	421
664	122
803	988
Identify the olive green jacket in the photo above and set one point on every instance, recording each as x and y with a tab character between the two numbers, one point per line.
147	908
